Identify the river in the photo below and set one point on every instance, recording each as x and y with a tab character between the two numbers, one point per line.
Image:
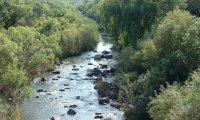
62	90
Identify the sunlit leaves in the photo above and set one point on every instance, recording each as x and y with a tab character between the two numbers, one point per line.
11	11
177	102
13	78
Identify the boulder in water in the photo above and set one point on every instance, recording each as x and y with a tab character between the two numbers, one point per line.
71	112
104	100
98	117
56	72
90	63
106	52
40	90
43	79
62	90
97	57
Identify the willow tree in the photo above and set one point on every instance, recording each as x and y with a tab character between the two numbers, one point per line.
127	20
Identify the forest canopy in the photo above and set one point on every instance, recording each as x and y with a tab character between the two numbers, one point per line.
159	41
34	35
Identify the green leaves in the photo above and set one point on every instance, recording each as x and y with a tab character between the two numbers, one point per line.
176	49
35	34
128	20
177	102
13	78
8	52
11	11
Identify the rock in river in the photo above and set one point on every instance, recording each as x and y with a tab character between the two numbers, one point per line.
104	100
40	90
56	72
106	52
72	106
71	112
78	97
97	57
43	79
98	117
54	118
62	90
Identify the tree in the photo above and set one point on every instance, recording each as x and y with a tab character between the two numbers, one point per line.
128	20
177	102
177	42
35	56
11	11
8	52
13	78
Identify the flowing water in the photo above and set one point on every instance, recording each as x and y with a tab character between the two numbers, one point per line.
64	91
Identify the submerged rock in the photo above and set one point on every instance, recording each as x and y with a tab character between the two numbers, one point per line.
73	106
98	113
107	119
97	57
66	84
78	97
75	69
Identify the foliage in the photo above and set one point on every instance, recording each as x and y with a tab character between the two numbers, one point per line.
176	38
91	8
170	55
177	102
13	78
36	34
11	11
128	20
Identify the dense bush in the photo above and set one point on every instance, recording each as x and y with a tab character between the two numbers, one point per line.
178	102
160	44
36	34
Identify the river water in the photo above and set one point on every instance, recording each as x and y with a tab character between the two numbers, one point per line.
51	102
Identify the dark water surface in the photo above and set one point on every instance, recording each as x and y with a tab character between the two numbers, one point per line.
75	83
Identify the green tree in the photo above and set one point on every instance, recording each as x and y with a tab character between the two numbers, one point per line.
8	52
177	102
35	54
177	42
128	20
11	11
13	78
